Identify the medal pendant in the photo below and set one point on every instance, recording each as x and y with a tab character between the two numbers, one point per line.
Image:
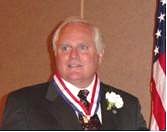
86	119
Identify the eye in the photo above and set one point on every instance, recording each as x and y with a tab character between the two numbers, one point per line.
83	47
65	48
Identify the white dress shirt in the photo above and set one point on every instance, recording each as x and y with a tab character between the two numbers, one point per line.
75	90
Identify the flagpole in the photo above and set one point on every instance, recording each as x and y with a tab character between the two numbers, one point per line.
82	9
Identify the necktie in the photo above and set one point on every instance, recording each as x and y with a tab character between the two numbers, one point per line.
88	124
83	98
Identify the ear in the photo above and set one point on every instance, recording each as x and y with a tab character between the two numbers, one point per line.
100	55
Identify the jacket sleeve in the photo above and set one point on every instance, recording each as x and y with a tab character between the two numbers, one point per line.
14	116
140	122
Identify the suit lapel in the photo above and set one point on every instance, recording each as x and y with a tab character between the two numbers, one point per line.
66	117
61	111
110	121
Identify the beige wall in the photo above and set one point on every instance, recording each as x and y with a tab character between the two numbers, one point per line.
127	26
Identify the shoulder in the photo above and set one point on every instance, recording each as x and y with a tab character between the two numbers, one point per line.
131	104
19	105
131	110
23	98
33	91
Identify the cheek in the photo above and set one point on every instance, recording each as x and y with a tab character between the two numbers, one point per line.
91	60
60	61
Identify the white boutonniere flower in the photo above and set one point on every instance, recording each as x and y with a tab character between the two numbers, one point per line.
114	101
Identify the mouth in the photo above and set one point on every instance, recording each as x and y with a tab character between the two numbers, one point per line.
74	65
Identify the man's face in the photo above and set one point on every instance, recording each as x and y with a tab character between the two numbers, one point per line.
76	57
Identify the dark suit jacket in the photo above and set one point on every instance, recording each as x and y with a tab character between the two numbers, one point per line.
39	107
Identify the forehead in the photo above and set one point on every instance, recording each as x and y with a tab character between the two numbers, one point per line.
72	28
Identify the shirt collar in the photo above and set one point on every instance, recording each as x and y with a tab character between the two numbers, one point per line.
75	90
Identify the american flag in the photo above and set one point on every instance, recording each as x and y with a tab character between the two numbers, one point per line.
158	79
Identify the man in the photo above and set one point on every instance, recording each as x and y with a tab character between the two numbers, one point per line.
75	99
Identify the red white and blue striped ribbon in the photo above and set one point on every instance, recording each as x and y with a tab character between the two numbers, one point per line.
75	102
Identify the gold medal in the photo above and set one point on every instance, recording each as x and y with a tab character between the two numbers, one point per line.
86	119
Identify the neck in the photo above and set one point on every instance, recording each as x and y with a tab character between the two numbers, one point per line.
78	83
81	84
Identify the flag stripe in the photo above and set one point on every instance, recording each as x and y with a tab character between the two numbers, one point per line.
158	109
162	60
159	78
154	124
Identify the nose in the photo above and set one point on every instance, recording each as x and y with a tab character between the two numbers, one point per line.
74	53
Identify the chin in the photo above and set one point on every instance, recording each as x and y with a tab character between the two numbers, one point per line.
75	78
